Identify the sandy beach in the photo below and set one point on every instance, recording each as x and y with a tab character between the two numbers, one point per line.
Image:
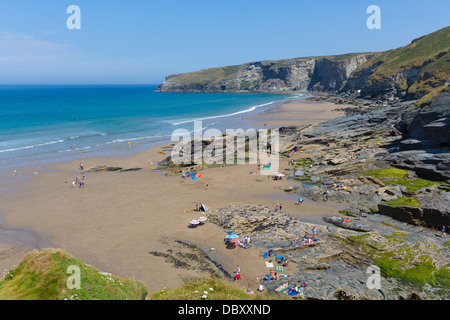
119	217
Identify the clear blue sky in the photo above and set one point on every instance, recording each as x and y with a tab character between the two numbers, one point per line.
142	41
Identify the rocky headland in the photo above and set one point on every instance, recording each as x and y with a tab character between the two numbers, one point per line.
396	198
386	162
411	72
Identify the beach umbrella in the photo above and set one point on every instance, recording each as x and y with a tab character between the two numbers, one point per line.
202	219
232	237
279	175
194	222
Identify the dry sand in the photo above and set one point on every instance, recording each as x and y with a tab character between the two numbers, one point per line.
119	217
297	112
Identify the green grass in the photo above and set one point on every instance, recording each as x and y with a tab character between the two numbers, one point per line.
216	289
396	258
398	176
414	55
42	275
417	270
433	93
303	162
207	75
390	173
413	185
404	201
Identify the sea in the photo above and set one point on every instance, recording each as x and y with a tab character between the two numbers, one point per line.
41	124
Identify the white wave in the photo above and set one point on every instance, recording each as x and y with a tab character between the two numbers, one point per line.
33	146
224	115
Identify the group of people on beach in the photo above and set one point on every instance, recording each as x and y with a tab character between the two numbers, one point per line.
79	181
278	206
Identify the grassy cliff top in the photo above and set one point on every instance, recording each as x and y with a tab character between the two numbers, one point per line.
213	75
43	275
430	54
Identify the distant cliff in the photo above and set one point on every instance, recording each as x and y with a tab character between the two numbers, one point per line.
301	74
409	72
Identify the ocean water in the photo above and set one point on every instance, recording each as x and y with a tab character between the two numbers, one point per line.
39	124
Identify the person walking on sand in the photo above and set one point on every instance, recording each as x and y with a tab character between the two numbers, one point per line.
206	188
300	200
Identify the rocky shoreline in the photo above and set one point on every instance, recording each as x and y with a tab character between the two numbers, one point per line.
400	193
337	266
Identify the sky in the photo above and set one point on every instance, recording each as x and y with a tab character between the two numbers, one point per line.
143	41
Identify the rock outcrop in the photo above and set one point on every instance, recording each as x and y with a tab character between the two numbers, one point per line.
302	74
405	73
336	267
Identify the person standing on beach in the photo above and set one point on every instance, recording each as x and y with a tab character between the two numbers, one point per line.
443	232
314	230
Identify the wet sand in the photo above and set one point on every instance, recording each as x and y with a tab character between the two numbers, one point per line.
119	217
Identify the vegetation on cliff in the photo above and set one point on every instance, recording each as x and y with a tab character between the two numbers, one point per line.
43	275
419	69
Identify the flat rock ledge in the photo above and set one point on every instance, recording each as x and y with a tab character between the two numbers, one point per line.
332	269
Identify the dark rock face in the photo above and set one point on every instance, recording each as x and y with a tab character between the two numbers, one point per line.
427	165
429	124
426	217
304	74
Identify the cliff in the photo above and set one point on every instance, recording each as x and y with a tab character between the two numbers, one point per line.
300	74
410	72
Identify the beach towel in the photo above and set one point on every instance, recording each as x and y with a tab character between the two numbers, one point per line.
269	264
279	268
293	293
282	287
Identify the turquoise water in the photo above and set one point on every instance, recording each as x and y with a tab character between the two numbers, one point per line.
57	122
